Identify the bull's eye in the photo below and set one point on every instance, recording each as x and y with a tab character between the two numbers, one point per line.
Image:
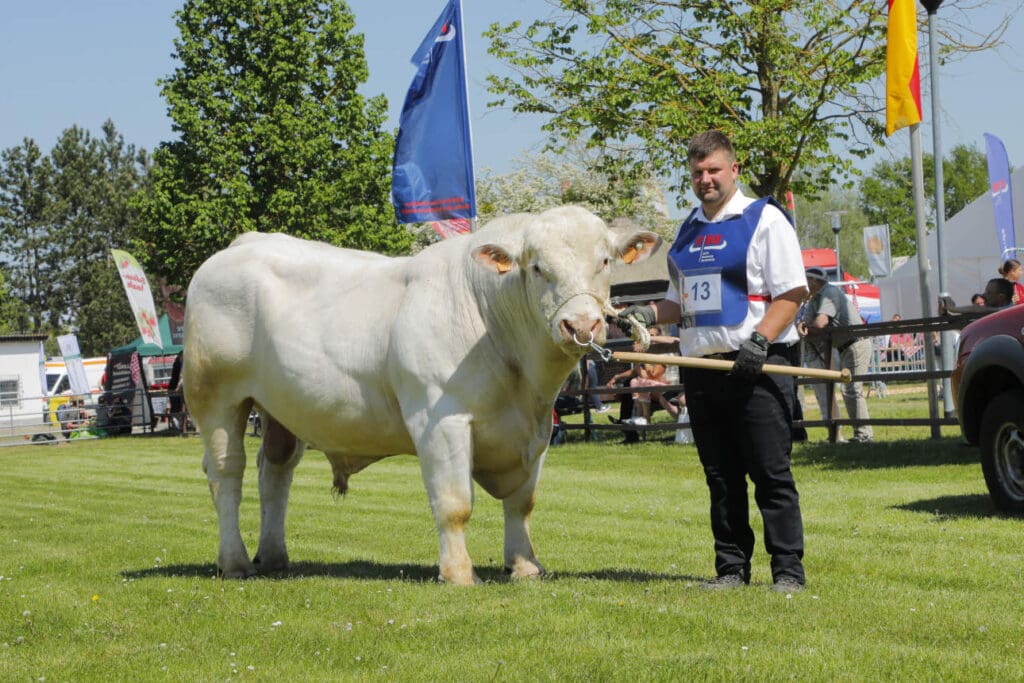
537	270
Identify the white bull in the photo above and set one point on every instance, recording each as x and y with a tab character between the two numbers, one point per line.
455	354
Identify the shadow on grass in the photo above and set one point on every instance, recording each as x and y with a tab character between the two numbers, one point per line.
413	573
886	454
978	506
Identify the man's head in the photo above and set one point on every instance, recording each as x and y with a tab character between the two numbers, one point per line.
816	278
713	170
998	292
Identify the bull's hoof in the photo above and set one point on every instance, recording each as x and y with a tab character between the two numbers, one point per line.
524	569
471	580
237	573
275	565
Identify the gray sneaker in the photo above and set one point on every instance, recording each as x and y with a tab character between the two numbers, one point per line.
786	584
725	582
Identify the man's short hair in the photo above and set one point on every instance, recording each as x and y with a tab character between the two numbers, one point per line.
708	142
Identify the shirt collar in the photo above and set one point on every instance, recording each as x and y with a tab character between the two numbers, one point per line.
734	207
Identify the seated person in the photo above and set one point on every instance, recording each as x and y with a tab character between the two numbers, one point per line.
651	375
71	416
998	294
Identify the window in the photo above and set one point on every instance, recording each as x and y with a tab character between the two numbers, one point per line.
10	391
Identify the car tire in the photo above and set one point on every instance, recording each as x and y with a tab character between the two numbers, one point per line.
1002	451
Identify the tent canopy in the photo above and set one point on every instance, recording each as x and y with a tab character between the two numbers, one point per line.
971	251
146	350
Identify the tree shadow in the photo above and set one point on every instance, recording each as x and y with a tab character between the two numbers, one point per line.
886	454
970	506
381	571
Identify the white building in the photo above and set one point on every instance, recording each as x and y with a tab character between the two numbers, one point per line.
21	386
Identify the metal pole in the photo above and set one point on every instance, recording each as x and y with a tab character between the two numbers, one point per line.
940	201
917	178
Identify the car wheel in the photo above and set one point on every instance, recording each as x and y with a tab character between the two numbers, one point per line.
1002	451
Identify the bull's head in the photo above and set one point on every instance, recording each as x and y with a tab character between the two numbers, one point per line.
563	263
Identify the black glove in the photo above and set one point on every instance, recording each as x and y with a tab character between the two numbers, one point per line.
645	314
750	360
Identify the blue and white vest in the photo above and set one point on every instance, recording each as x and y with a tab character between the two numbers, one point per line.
708	262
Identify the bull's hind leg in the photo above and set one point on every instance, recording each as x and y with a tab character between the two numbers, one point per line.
223	432
279	453
520	560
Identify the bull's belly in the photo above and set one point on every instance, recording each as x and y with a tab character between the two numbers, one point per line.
376	435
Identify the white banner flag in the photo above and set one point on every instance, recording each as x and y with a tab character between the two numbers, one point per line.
876	248
136	286
68	344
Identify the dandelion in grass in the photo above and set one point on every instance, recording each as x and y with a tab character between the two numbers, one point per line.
96	598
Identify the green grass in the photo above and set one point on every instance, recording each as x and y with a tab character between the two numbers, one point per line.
107	553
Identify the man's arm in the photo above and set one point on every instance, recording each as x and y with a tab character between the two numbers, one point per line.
781	313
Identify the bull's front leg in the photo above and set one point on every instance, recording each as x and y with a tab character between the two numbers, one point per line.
445	454
520	560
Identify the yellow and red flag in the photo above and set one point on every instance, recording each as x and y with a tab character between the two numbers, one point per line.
902	76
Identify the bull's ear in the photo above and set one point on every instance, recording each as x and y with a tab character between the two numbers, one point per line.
637	246
495	258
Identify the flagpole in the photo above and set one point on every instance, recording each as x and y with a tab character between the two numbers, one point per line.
469	121
917	179
940	202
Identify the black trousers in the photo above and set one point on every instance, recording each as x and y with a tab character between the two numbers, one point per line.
745	430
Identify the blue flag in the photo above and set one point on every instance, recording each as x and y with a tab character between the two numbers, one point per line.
1002	196
432	174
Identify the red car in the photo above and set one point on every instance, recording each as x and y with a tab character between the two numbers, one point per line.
988	386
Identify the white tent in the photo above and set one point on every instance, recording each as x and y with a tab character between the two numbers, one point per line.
972	257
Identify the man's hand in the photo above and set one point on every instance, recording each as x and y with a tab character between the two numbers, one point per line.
750	360
647	315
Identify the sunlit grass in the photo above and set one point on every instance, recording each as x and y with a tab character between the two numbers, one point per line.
107	553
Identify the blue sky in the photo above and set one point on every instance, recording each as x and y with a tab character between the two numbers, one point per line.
67	62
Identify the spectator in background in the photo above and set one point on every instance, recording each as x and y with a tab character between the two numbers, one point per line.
1011	270
72	416
978	300
829	307
999	292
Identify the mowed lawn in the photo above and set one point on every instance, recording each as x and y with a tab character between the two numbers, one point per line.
108	547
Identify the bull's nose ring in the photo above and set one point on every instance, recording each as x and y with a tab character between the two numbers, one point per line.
581	343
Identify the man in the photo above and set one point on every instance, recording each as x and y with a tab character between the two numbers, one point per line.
830	307
737	283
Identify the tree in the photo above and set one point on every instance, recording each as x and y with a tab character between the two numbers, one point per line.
59	217
273	135
792	83
28	257
887	195
539	182
814	225
13	315
94	182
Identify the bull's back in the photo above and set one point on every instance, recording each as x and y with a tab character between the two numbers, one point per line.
299	327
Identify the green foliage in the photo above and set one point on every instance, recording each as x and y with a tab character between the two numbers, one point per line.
539	182
273	135
789	82
887	195
13	314
109	574
59	217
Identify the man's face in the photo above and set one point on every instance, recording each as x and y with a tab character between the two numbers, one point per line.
714	178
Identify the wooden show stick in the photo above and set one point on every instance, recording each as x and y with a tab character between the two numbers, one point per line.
716	364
